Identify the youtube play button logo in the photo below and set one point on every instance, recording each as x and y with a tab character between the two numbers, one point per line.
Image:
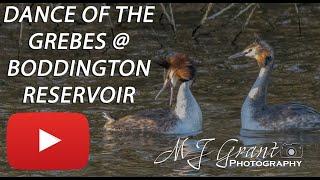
48	141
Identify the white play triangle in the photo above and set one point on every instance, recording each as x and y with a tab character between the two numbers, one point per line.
46	140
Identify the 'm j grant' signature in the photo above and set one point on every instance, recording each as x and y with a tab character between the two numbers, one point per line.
222	159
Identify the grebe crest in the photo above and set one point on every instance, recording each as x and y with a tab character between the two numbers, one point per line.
259	50
179	68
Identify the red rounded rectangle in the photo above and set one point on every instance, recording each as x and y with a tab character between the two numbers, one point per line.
48	141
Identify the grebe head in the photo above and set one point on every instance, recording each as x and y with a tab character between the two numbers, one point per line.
258	50
179	68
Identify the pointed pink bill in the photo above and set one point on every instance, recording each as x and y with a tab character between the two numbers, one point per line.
239	54
167	83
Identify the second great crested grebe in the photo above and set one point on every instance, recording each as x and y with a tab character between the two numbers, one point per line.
184	119
256	114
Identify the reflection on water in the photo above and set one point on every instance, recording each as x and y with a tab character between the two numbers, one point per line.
258	137
220	89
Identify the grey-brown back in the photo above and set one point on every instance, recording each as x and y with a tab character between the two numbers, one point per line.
291	116
154	120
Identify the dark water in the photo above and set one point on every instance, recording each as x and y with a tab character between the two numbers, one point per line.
220	87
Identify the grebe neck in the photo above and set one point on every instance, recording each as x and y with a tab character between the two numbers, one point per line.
256	100
187	110
257	96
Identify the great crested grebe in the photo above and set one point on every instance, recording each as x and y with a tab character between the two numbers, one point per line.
186	118
256	114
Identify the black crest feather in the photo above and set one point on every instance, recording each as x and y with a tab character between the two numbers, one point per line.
163	63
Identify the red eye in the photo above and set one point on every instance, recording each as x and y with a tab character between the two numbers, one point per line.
248	51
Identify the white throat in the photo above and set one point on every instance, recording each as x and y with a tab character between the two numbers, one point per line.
187	110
